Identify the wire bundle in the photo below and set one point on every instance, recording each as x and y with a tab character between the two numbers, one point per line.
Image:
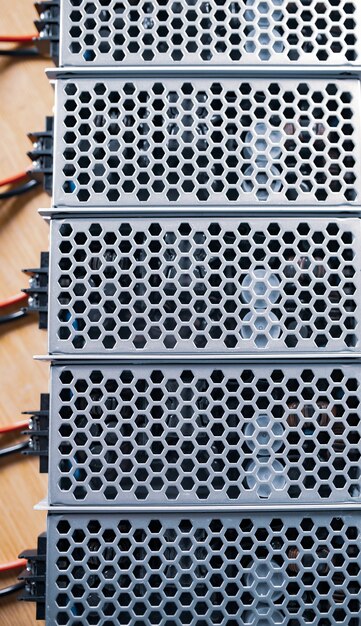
9	302
8	567
20	51
11	187
28	185
12	429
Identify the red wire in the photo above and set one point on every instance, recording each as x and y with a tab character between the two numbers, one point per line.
9	428
20	297
17	38
5	567
13	179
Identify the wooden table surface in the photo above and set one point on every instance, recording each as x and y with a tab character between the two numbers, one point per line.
25	98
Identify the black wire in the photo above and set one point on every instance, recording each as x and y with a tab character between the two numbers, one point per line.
18	191
6	591
21	52
19	447
13	317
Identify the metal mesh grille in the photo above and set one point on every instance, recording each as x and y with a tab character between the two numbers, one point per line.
204	434
200	570
208	141
213	32
167	285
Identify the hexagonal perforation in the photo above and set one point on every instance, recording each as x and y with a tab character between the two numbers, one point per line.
212	32
201	570
228	285
204	434
217	142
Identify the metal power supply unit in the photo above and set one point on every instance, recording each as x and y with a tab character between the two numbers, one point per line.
274	35
193	434
203	569
202	141
198	285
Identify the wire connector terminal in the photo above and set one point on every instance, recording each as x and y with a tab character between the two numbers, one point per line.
34	576
38	433
42	155
48	28
38	289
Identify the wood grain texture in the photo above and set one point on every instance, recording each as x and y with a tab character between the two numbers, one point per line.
26	97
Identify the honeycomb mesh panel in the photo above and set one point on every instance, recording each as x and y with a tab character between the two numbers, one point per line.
201	286
221	142
204	570
211	32
204	434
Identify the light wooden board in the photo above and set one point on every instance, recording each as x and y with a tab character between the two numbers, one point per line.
25	98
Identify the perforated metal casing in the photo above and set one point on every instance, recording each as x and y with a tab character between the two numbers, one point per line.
202	569
203	141
204	286
196	434
258	33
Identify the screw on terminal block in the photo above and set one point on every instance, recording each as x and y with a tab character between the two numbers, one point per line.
34	576
38	289
42	155
48	28
38	433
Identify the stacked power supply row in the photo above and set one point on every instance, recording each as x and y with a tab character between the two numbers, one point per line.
204	313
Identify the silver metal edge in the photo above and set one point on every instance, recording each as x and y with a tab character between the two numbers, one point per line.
342	71
154	211
43	505
337	357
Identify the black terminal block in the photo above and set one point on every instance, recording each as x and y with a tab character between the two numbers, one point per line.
42	155
38	289
38	433
34	577
48	25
